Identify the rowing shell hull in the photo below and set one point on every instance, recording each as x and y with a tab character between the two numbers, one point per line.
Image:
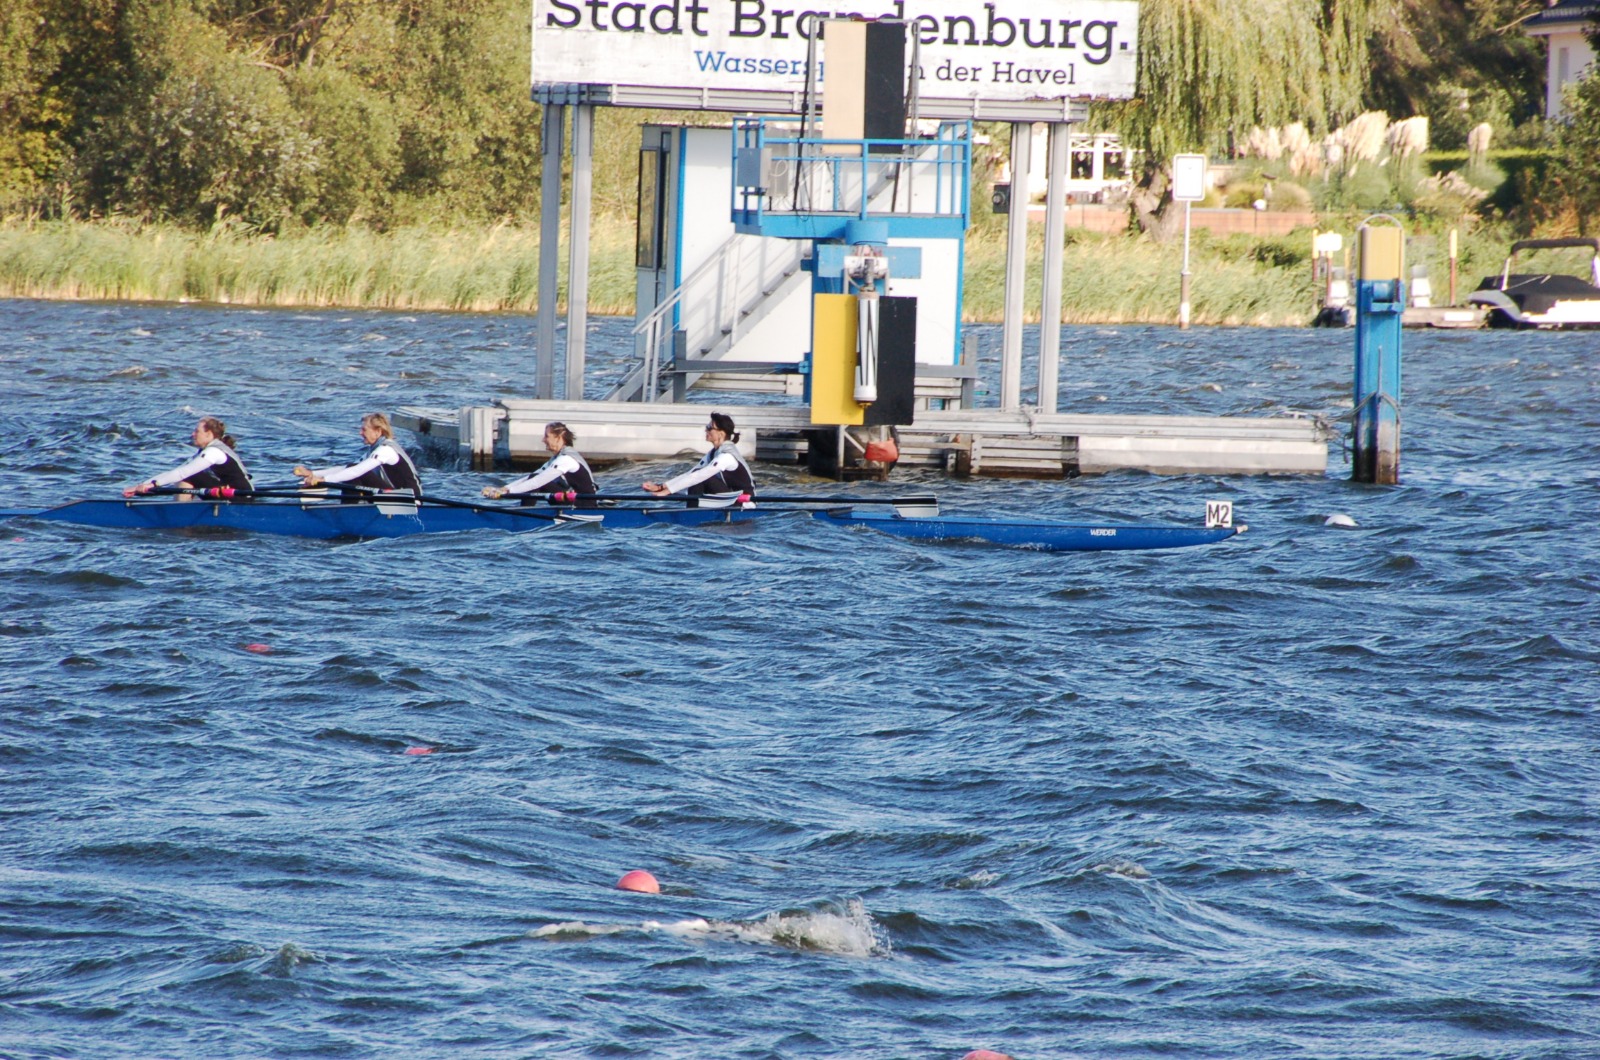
325	521
332	521
1035	533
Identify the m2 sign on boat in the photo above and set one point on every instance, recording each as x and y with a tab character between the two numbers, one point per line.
1007	49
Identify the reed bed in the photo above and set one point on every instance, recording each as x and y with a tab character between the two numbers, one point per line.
1131	280
1106	279
414	269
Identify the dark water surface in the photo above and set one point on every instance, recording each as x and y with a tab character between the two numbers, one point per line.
1313	792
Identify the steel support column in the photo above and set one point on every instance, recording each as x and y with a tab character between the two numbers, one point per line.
578	248
1055	207
552	124
1016	269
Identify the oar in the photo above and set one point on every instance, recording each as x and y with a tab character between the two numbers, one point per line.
924	506
497	509
445	502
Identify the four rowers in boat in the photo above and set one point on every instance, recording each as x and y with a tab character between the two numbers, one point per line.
385	467
213	464
722	470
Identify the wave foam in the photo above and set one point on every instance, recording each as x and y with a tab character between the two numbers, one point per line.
849	930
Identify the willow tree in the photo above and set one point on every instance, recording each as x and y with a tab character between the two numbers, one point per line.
1213	69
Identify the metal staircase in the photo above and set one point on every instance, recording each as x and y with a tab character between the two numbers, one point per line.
716	305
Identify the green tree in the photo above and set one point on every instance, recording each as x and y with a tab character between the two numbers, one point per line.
201	133
1573	174
1460	62
1207	74
469	134
57	59
357	145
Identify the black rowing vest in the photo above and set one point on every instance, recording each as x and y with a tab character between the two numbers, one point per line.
399	476
739	480
579	481
230	472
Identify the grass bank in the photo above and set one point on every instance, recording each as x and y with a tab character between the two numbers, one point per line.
1117	279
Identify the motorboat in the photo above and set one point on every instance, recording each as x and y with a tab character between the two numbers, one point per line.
1543	299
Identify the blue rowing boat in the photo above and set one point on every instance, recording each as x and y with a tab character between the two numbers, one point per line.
331	520
328	519
1034	533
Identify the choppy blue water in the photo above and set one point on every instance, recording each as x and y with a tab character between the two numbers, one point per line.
1313	792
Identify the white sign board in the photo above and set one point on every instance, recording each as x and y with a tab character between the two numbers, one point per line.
1188	178
995	50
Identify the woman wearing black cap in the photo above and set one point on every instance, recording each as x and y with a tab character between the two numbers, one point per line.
722	470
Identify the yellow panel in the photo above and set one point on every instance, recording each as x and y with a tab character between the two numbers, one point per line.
833	360
1383	251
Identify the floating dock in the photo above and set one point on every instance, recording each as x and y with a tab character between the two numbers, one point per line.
812	256
980	442
1444	316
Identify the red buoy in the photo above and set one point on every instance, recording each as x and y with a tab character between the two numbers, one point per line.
419	750
886	452
985	1054
259	649
639	880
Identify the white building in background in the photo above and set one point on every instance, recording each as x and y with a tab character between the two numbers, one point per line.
1097	166
1569	55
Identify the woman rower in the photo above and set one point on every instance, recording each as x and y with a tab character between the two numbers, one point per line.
213	464
385	467
566	471
722	470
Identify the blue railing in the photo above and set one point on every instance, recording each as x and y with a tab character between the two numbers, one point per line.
795	187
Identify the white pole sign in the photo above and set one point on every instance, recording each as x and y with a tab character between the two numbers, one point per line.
1188	178
1001	50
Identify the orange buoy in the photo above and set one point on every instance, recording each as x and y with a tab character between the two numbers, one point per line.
885	451
639	880
259	649
419	750
985	1054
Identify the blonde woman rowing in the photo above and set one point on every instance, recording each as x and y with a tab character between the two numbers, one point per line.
385	467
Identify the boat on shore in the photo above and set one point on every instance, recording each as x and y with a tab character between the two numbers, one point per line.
320	517
1549	300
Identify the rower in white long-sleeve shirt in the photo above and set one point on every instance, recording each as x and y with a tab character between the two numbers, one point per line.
566	472
385	467
722	470
213	464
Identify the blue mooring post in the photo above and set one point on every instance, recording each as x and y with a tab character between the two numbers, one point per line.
1380	302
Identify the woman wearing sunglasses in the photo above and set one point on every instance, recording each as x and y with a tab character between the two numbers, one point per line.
722	470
